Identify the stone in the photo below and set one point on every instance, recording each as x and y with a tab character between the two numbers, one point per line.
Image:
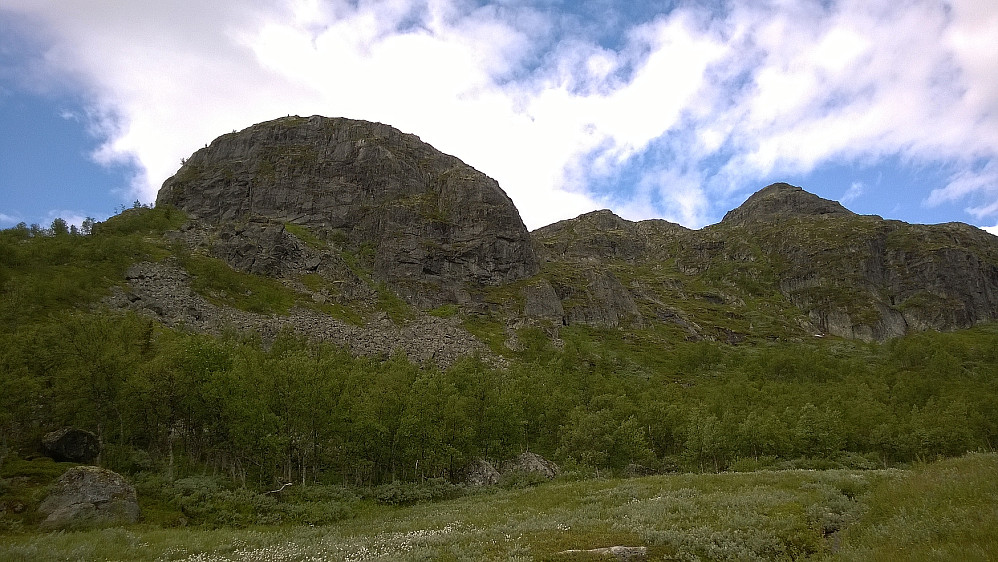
89	497
481	472
542	302
599	300
532	463
71	444
427	222
617	552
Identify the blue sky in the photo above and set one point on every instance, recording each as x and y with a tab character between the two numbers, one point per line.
677	110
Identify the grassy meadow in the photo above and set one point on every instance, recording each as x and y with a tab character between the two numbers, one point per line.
946	510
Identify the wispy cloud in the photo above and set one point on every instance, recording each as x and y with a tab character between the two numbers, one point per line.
683	112
979	185
855	191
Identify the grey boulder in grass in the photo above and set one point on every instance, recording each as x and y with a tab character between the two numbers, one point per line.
89	497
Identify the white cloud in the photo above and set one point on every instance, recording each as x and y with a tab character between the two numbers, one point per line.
978	185
855	191
9	219
74	218
694	107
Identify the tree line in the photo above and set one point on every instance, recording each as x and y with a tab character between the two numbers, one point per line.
179	403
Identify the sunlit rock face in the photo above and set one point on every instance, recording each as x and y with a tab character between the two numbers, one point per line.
428	223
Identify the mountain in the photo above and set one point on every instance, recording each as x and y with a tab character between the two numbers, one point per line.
415	251
429	221
328	301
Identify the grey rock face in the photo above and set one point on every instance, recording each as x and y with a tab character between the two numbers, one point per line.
89	497
71	444
600	236
432	222
871	279
541	301
600	300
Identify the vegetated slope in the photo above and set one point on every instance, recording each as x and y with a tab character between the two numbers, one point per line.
942	510
371	221
785	264
269	342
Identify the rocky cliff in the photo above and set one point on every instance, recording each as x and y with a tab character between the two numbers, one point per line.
352	214
832	271
424	222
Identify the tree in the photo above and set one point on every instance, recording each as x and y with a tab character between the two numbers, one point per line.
704	439
59	227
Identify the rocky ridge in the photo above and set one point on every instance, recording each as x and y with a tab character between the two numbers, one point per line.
345	212
426	223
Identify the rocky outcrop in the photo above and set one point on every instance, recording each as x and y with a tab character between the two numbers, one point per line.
429	222
780	201
71	444
89	497
867	278
480	472
602	236
372	211
839	273
531	463
163	291
596	297
542	302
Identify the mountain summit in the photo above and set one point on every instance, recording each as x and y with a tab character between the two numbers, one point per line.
427	221
782	200
401	239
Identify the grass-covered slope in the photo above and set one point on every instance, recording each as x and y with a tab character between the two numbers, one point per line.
939	511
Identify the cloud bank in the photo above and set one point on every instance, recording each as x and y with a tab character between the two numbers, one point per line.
675	115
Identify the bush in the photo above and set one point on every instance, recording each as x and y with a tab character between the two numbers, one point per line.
404	493
521	479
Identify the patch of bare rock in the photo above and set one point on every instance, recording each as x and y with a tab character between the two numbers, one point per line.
89	497
162	290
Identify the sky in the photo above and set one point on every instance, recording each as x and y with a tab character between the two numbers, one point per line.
660	109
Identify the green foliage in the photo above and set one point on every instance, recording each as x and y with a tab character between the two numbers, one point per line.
24	484
142	220
305	235
209	502
941	511
42	275
444	311
404	493
177	405
397	309
793	515
223	285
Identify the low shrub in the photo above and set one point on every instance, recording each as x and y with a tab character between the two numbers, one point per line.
404	493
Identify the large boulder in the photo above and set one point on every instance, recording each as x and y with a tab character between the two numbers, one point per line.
89	497
427	222
532	463
71	444
480	472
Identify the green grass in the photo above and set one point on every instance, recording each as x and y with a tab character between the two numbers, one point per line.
224	286
940	511
305	235
43	275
